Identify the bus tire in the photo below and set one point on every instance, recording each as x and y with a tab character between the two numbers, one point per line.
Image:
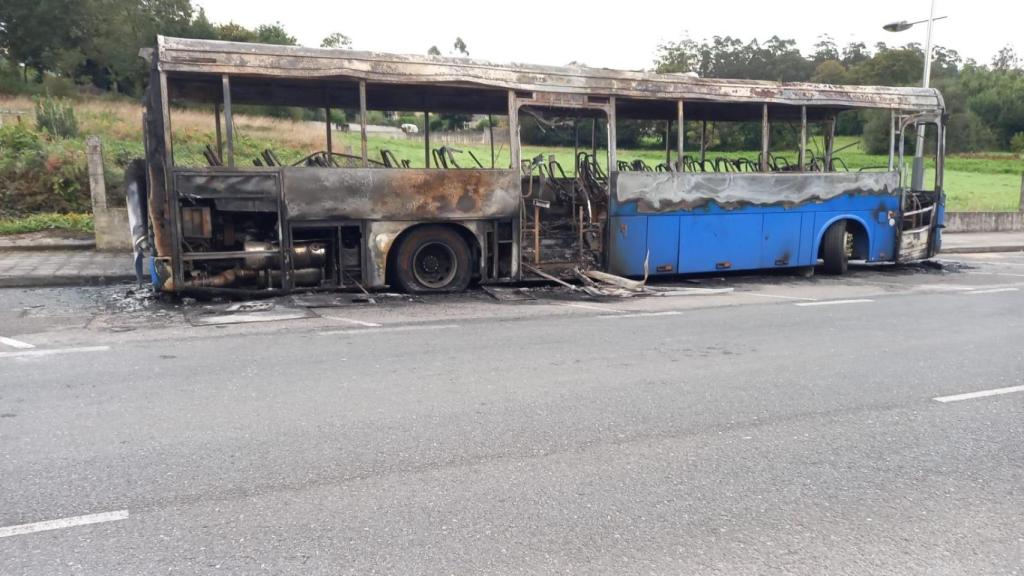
833	248
433	259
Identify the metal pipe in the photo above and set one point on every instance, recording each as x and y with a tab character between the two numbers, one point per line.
362	124
330	147
575	144
229	121
426	139
680	135
892	138
703	142
668	146
613	152
220	141
830	137
766	135
802	153
490	136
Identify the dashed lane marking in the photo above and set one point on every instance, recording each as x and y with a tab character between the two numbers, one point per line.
353	321
15	343
640	315
993	291
981	394
834	302
780	296
593	307
62	523
384	330
35	353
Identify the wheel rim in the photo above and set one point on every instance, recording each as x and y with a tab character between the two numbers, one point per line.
434	265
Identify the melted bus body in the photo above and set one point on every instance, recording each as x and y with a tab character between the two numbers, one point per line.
244	221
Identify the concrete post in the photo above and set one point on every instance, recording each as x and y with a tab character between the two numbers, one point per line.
1020	204
97	183
110	224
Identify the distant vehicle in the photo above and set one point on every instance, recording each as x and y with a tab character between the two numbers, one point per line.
410	129
336	220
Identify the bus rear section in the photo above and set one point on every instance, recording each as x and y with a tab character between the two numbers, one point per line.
722	211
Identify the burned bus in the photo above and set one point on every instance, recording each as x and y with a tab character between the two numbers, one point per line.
247	221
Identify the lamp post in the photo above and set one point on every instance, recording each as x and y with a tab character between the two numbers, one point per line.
917	179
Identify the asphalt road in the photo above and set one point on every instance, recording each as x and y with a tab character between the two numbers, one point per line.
788	427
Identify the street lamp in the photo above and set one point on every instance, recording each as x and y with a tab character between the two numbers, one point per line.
917	178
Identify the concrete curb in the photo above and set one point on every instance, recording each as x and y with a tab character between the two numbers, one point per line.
44	246
63	280
982	249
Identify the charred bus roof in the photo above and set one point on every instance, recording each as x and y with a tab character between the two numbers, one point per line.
301	77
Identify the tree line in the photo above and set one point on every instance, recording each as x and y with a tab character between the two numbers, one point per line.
96	42
985	101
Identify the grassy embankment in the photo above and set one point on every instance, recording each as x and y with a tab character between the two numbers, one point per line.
54	179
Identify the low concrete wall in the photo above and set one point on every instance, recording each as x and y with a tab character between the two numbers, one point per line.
984	222
110	222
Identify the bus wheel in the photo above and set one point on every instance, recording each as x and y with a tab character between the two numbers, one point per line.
833	248
433	259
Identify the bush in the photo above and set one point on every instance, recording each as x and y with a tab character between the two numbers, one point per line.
1017	143
966	132
56	117
17	139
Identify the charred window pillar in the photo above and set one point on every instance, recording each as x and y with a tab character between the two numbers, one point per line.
766	135
229	123
830	137
513	130
892	139
802	153
613	159
362	124
220	139
680	136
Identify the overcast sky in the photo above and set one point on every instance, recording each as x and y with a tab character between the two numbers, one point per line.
623	34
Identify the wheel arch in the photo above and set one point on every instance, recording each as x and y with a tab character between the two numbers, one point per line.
468	235
861	234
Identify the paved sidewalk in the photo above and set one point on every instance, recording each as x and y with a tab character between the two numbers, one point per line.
976	242
30	268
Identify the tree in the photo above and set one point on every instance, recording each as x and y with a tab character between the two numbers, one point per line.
830	72
460	47
855	53
336	40
433	51
825	49
35	32
201	27
1006	59
274	34
232	32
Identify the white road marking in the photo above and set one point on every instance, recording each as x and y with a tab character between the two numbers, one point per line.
408	328
833	302
52	351
593	307
763	295
993	291
352	321
15	343
999	274
641	314
63	523
981	394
